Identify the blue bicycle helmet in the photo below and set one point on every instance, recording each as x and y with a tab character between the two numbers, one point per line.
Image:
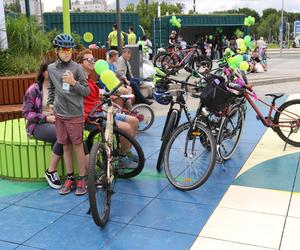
162	97
64	41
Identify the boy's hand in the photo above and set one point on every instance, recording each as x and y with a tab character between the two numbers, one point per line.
68	77
50	119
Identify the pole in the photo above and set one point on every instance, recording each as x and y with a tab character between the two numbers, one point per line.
27	8
66	17
288	34
42	17
3	34
154	37
118	18
281	28
194	5
159	16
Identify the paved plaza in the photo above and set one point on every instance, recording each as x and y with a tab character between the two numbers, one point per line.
253	203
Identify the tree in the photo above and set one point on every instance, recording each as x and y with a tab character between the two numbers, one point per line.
269	11
14	6
147	12
269	27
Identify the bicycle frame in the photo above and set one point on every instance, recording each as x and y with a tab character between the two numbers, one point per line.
108	135
268	121
182	60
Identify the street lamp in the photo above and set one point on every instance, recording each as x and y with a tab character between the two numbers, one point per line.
119	26
281	28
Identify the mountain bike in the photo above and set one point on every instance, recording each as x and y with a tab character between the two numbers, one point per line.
113	153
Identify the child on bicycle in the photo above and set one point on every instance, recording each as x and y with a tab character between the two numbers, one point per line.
67	88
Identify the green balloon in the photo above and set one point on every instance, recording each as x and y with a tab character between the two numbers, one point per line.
247	39
100	66
179	20
174	18
238	59
210	37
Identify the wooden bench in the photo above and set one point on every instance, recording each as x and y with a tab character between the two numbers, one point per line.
22	157
9	112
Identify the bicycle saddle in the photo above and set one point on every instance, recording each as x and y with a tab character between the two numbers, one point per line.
275	95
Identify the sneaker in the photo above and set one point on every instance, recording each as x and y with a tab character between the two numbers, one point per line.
133	157
125	162
53	179
81	188
68	186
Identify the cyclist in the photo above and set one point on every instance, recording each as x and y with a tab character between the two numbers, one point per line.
67	88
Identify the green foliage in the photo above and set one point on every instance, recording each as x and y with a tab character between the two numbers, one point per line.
27	44
25	35
269	26
147	12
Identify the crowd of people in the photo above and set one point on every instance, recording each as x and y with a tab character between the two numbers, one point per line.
214	46
57	105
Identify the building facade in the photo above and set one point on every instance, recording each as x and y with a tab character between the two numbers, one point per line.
87	6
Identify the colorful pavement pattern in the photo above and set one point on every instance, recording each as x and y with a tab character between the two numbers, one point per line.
259	211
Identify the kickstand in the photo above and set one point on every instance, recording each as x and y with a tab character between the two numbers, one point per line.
89	211
288	138
220	161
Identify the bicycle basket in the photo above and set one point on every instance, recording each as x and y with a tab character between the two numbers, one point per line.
215	96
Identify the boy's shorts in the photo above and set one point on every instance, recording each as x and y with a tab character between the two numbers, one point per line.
69	130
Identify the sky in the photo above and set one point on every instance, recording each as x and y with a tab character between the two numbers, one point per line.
206	6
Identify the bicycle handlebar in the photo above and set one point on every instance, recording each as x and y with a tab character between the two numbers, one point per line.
106	95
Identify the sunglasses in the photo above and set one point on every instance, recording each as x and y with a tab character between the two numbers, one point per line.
90	60
66	50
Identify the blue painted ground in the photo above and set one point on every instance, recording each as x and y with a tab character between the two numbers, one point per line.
147	212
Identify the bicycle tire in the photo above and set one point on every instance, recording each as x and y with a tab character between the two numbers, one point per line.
167	134
156	61
98	184
207	144
201	60
168	60
223	140
280	130
132	170
135	112
136	147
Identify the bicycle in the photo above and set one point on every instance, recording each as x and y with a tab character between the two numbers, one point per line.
108	145
174	114
188	59
286	120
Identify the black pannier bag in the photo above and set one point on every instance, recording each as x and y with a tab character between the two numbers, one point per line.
215	96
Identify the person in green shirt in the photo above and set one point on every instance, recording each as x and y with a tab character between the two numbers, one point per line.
131	36
113	38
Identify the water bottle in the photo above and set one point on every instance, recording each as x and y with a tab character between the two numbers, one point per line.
66	86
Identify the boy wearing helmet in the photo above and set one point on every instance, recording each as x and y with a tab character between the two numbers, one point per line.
67	89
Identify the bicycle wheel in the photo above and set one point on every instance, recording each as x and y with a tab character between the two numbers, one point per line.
198	81
190	156
99	190
230	132
144	114
172	121
168	64
158	59
128	156
201	62
288	119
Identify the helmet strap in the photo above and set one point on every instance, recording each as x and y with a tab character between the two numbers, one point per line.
61	61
